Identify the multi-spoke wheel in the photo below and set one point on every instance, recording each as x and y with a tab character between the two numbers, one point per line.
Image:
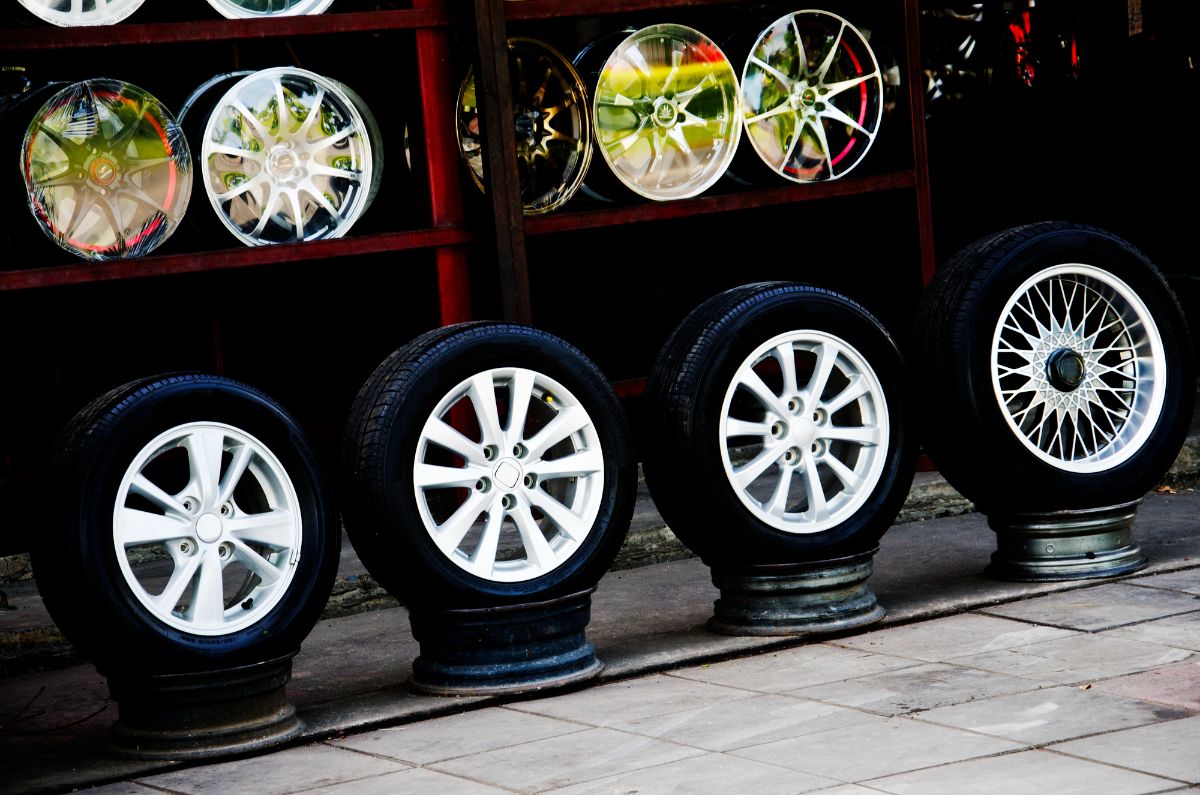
107	170
812	96
251	9
192	527
553	126
1060	351
777	416
72	13
487	462
288	156
666	112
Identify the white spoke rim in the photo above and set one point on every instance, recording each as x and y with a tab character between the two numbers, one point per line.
232	9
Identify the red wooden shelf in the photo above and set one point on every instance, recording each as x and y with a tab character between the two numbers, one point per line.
553	9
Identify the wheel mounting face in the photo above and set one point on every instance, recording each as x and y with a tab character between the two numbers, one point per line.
65	13
107	170
303	174
217	515
812	96
508	475
666	112
250	9
1086	311
804	431
553	126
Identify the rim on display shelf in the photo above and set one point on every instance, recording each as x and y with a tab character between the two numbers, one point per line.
666	112
76	13
290	156
812	96
250	9
553	128
107	170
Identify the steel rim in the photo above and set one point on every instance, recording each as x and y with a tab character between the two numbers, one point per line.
804	431
1078	368
666	112
509	475
553	130
305	174
71	13
812	96
216	504
249	9
107	170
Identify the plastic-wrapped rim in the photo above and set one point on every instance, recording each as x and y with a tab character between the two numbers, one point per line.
307	173
812	96
666	112
251	9
107	170
78	13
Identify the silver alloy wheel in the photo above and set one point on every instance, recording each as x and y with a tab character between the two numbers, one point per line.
804	457
306	172
216	504
1077	368
515	496
80	13
251	9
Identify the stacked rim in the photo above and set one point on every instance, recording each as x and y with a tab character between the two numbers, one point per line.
77	13
251	9
107	170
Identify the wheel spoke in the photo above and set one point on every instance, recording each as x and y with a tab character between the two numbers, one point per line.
865	435
143	487
748	473
537	549
450	533
443	435
135	527
785	354
833	89
569	420
778	75
179	581
267	574
818	507
827	356
204	448
428	476
483	559
249	116
746	377
823	69
735	427
684	98
856	388
274	529
482	393
850	481
776	111
576	465
840	116
802	56
818	128
778	502
519	395
570	525
208	600
245	187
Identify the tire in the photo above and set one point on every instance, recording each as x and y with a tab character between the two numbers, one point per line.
392	517
991	373
696	394
155	431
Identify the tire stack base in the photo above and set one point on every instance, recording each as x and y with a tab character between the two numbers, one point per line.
1066	545
512	649
819	597
204	715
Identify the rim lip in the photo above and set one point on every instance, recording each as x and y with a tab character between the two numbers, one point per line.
879	452
567	548
366	178
230	10
585	159
274	469
878	114
718	168
1131	443
63	20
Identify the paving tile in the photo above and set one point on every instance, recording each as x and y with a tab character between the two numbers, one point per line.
415	780
792	668
1077	658
915	689
1164	749
955	636
1033	772
566	760
1175	685
713	773
630	700
752	721
875	748
1052	715
1182	632
123	788
457	735
1186	581
1102	607
848	789
287	771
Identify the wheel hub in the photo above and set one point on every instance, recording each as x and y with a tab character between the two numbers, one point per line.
666	112
209	528
103	171
283	163
1066	370
803	433
508	473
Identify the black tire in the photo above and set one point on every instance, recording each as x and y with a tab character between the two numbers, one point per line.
685	452
381	507
966	427
79	569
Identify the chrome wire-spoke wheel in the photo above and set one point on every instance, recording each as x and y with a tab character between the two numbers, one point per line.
78	13
509	475
250	9
812	96
1077	368
553	128
804	431
107	170
666	112
213	522
289	156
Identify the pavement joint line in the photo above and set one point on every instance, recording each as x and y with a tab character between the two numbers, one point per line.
1090	631
1118	767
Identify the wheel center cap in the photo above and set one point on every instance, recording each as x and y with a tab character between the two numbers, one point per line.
1065	369
282	162
103	171
804	433
507	473
665	113
208	528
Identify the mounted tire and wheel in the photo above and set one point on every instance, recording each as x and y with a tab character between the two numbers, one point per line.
1057	370
777	427
191	528
487	464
